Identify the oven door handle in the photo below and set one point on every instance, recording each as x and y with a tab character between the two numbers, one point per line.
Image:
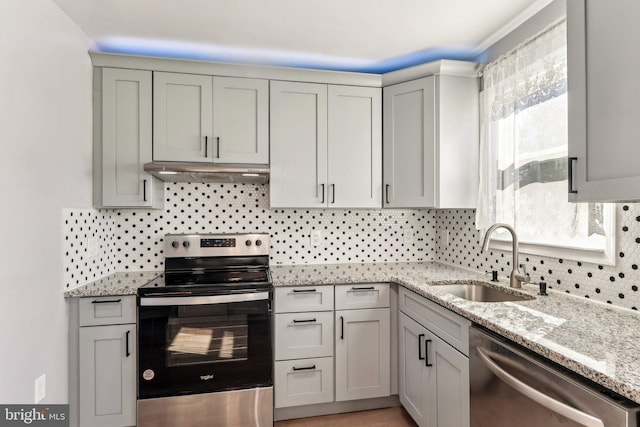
202	300
543	399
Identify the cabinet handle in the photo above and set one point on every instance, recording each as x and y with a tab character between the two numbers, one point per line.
386	193
571	161
322	201
426	349
306	368
333	193
104	301
341	327
218	147
299	291
420	356
304	321
144	190
127	354
362	288
206	146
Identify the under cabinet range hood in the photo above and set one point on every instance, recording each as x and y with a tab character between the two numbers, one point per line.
208	172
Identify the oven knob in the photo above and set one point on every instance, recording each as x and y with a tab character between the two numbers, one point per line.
175	244
185	244
258	242
248	242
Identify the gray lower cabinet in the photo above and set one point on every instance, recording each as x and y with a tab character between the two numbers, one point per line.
433	375
106	362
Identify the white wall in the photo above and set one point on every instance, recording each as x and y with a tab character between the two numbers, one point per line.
45	166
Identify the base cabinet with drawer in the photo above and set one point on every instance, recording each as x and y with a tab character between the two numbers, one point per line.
433	373
303	373
106	366
311	339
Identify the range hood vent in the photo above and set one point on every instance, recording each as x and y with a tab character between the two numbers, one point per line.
208	172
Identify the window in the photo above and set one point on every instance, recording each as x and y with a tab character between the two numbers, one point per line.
523	160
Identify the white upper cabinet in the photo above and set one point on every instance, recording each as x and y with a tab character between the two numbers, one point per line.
355	147
431	142
298	144
325	146
603	105
241	120
182	117
122	140
199	118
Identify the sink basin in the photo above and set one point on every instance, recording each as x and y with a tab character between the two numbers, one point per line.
480	292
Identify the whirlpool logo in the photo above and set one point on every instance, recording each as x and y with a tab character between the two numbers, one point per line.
206	377
38	415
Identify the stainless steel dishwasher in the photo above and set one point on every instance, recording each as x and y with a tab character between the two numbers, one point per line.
512	387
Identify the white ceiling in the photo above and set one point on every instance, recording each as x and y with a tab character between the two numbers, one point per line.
336	34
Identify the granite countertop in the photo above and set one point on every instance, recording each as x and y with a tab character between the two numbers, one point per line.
114	284
592	339
595	340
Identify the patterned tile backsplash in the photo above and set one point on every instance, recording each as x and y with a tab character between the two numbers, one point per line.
132	239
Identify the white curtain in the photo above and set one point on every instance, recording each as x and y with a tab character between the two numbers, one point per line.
531	74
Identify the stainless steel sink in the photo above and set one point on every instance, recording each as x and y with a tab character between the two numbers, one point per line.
480	292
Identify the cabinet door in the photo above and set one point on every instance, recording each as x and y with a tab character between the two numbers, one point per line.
107	376
124	120
409	144
362	354
448	385
603	102
298	145
355	147
182	117
412	380
240	120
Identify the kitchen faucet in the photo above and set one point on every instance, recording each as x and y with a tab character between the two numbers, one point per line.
516	278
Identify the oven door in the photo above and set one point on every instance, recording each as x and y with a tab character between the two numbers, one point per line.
201	344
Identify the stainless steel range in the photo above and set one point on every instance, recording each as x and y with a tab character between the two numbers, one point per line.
204	328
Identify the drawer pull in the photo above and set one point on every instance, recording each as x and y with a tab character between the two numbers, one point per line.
306	368
300	291
426	348
365	288
304	321
113	301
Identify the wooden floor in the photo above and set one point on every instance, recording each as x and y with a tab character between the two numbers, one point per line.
388	417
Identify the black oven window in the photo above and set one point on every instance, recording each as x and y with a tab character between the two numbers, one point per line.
210	339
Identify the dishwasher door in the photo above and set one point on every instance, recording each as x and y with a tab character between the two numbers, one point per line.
511	387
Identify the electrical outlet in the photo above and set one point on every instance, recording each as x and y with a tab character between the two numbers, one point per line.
93	247
316	237
407	236
40	388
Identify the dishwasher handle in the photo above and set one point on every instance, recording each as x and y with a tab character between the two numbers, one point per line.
539	397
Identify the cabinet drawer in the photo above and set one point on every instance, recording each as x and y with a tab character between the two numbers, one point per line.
303	335
452	328
366	295
303	382
303	298
115	310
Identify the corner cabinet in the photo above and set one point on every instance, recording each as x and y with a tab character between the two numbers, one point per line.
326	146
106	361
603	104
199	118
431	142
122	140
433	373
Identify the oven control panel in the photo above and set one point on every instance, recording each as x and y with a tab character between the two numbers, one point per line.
201	245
